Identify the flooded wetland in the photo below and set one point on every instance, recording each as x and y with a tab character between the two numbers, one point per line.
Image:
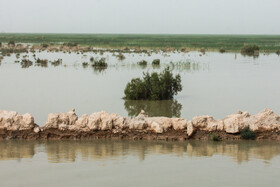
214	83
144	93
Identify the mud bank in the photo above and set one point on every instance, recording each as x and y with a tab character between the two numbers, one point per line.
102	125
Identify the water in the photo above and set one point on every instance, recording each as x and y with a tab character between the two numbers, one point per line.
139	163
213	84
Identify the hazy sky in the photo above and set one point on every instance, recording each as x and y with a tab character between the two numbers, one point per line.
141	16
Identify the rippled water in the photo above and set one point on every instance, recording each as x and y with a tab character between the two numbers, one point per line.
139	163
214	84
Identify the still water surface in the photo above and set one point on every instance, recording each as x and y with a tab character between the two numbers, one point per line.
213	84
139	163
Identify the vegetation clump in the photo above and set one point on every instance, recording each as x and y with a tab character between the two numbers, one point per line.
71	44
156	62
278	52
155	86
100	63
142	63
222	50
25	63
85	64
91	59
56	62
251	50
248	134
42	62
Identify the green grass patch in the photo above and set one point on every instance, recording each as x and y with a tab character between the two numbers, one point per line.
269	43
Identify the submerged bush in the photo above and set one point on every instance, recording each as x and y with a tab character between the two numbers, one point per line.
100	63
222	50
142	63
250	50
155	86
42	62
56	62
248	134
156	62
85	64
91	59
26	63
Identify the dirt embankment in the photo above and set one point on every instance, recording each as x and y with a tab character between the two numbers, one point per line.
102	125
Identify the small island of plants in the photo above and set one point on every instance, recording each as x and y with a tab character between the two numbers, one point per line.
155	86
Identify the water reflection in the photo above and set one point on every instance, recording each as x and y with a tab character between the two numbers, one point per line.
70	151
167	108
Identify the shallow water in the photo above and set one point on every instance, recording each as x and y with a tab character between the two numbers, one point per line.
213	84
139	163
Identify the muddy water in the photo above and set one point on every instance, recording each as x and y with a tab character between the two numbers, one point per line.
139	163
214	84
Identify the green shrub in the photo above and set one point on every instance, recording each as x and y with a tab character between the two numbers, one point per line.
100	63
277	52
91	59
250	50
143	63
222	50
156	62
85	64
155	86
248	134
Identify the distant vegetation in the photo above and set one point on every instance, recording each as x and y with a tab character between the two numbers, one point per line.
156	62
155	86
26	63
248	134
250	50
11	43
142	63
222	50
100	63
180	42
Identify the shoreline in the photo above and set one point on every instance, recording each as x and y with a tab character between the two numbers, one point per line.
102	125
